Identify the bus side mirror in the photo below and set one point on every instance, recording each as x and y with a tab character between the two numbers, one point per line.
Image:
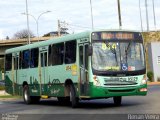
90	50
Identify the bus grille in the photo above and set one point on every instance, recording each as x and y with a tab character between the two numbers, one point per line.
130	90
117	84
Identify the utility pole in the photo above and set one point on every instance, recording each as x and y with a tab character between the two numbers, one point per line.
62	27
154	15
147	21
91	14
59	28
28	23
140	15
36	20
119	14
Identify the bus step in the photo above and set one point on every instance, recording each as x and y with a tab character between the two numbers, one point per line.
44	96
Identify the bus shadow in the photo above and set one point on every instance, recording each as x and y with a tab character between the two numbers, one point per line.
88	104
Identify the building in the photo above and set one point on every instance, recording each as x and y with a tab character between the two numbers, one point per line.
55	34
154	59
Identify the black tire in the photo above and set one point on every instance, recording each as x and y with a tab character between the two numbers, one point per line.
26	95
73	99
27	98
117	100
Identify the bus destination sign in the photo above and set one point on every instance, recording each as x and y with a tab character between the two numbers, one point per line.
116	36
123	36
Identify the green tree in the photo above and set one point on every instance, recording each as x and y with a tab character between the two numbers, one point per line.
150	75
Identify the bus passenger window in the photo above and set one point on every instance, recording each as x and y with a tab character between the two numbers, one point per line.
81	55
20	60
58	53
70	52
34	58
26	58
15	63
50	56
8	62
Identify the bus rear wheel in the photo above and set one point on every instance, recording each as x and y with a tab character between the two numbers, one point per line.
27	98
26	95
73	99
117	100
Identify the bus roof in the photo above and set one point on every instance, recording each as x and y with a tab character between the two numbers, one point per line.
115	30
60	39
50	41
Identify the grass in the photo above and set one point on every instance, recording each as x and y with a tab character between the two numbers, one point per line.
10	96
2	87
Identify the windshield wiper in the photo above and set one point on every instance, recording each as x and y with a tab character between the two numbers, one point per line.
126	51
116	57
113	50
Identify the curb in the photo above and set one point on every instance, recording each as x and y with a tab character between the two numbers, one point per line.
153	83
8	99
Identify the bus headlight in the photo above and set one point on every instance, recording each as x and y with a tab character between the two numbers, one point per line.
144	80
96	81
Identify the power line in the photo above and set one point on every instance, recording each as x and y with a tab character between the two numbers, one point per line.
79	26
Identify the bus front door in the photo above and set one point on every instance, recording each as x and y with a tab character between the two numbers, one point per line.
44	64
83	63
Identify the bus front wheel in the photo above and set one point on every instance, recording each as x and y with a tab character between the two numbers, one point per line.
73	99
117	100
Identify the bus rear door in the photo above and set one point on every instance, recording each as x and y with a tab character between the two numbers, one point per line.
44	69
15	73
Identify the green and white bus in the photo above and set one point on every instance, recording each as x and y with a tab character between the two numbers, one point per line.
83	66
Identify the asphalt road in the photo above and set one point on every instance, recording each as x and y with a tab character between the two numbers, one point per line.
90	109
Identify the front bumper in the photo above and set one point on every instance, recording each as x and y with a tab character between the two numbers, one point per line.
104	92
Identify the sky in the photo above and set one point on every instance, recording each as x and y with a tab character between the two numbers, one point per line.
77	14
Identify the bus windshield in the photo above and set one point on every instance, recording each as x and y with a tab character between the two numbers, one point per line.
118	56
